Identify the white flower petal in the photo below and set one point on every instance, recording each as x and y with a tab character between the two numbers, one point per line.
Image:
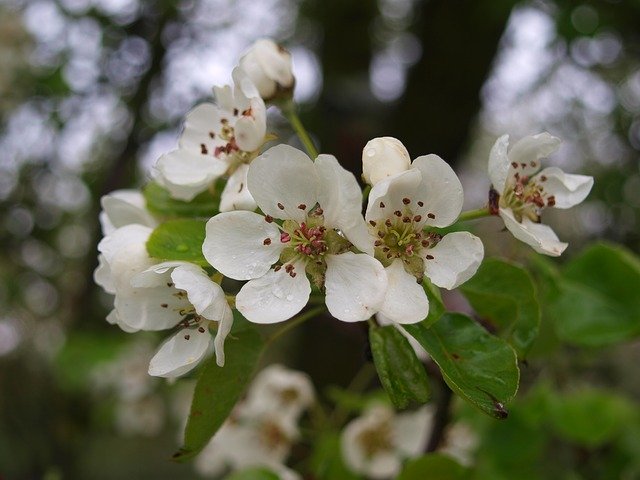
235	244
150	308
124	207
200	125
456	259
114	319
499	163
411	431
185	174
235	195
568	189
224	97
421	353
206	296
528	151
285	177
180	353
405	301
112	245
103	277
440	191
339	194
387	195
156	275
274	297
224	327
359	235
355	286
250	129
539	236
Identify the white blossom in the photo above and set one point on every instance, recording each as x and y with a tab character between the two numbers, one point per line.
400	207
460	442
524	191
124	207
383	157
262	428
269	67
152	296
377	443
319	205
218	139
279	389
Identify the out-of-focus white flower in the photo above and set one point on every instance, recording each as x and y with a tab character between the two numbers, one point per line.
524	191
319	203
262	428
218	139
377	443
383	157
429	194
279	389
460	442
269	67
151	296
124	207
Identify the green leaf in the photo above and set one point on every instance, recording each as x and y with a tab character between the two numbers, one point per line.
219	388
401	373
591	417
504	295
436	307
479	367
178	240
326	460
597	301
434	466
160	202
253	474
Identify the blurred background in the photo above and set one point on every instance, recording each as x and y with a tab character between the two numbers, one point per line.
93	91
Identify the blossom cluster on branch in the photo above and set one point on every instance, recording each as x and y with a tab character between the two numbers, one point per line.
233	223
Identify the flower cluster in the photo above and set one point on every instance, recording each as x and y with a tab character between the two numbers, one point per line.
292	227
263	427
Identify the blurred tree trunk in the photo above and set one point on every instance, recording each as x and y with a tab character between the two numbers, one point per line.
459	42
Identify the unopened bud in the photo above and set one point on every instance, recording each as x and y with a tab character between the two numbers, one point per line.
269	67
383	157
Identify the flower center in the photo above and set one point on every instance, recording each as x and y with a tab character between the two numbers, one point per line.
526	197
273	436
401	236
377	439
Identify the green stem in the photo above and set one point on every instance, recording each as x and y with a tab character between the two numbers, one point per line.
365	194
361	381
473	214
290	111
293	323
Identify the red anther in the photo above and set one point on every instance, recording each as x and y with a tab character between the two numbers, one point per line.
431	216
397	213
268	218
406	219
266	241
417	218
514	164
302	206
285	237
406	201
409	250
387	222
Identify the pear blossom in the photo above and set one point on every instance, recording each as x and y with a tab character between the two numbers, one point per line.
279	389
521	191
376	444
159	296
218	139
269	67
262	428
461	443
383	157
400	207
319	205
124	207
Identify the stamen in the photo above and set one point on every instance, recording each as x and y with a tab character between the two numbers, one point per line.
431	215
406	201
429	257
268	218
203	149
187	337
372	223
397	213
201	329
514	164
302	206
417	218
382	205
266	241
280	206
285	237
421	203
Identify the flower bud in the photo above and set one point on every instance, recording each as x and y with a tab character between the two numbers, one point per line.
383	157
268	65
